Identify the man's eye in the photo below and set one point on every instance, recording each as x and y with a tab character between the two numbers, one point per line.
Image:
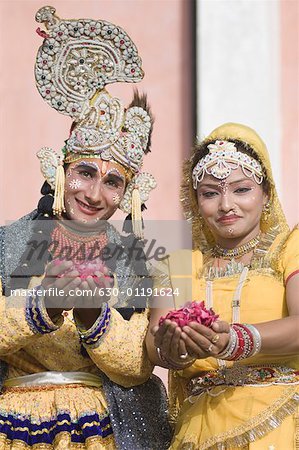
112	183
85	173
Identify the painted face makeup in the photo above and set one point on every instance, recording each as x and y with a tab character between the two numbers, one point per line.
223	186
75	183
114	171
90	195
232	210
116	199
87	164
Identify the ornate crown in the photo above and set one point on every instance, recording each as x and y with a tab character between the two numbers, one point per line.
77	59
80	57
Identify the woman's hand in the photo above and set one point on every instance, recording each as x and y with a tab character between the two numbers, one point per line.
168	338
202	342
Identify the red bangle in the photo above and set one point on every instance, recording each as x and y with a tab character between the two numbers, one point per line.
240	344
291	275
246	344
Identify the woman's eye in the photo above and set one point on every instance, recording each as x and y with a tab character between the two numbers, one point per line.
242	190
209	194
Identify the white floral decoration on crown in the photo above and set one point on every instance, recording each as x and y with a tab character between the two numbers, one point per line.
223	157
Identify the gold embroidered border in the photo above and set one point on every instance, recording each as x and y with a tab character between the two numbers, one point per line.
258	426
296	439
48	387
92	442
59	422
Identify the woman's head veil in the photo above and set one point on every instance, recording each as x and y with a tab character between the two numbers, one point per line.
202	237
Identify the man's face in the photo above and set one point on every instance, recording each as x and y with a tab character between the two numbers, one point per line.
93	190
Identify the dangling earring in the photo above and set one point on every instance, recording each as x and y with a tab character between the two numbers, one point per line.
266	211
201	221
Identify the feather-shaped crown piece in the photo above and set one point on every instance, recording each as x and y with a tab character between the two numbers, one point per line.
78	58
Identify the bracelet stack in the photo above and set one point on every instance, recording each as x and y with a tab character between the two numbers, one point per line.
244	342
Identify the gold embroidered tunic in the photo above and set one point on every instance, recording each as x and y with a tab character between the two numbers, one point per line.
72	416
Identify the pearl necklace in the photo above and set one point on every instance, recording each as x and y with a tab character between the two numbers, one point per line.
237	252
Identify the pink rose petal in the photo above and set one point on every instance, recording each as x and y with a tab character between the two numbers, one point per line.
191	312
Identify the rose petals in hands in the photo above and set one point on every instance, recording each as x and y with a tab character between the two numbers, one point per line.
86	269
191	312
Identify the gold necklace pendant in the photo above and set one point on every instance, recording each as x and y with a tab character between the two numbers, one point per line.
237	252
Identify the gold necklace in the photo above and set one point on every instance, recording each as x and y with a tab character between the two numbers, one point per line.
237	252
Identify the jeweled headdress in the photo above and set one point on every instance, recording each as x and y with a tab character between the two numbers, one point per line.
223	157
77	59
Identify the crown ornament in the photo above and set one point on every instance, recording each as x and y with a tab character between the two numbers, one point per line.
80	57
223	157
76	61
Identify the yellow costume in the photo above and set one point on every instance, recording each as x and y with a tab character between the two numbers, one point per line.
74	411
253	403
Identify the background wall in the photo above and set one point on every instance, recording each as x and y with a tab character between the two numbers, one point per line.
248	72
289	107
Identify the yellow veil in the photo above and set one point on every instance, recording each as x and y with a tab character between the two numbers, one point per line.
202	238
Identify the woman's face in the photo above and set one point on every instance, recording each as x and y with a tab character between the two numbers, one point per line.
232	207
93	190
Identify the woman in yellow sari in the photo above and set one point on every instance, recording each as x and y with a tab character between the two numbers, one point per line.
235	384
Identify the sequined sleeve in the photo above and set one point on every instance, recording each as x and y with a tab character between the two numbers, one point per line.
16	330
160	274
121	352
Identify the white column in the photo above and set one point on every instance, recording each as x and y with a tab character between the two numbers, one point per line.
238	68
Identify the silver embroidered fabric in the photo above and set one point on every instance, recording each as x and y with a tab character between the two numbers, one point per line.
13	239
139	415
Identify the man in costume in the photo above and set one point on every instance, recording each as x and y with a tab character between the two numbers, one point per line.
75	372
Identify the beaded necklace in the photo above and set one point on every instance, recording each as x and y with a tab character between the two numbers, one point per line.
70	245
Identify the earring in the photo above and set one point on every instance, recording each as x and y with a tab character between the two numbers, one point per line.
201	221
266	211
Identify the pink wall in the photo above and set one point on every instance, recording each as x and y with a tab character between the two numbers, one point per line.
27	123
160	30
290	108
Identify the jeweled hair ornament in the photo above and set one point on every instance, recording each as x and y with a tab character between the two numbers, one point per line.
223	157
77	59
